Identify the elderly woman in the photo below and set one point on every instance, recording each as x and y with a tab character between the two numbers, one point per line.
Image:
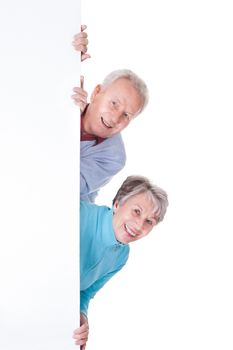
105	234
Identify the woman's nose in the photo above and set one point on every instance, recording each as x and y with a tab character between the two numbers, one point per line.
139	225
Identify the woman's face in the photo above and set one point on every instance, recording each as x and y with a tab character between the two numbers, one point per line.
134	219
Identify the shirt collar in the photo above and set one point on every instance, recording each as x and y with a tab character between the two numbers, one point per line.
84	136
109	234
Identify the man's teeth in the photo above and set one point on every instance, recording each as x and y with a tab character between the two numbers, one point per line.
105	123
129	231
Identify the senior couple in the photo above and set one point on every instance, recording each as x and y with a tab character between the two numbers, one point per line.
139	205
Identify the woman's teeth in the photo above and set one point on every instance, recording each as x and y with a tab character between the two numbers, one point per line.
129	231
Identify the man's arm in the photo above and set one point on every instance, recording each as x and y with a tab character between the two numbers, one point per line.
99	163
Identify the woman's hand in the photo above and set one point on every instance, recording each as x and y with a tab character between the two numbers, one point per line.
81	334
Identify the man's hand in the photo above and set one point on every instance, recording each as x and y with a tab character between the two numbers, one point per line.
80	43
80	95
81	334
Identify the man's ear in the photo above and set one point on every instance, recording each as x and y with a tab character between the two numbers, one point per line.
95	92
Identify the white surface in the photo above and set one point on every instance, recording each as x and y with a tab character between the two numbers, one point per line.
39	153
176	290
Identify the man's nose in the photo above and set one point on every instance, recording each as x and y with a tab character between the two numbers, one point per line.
116	117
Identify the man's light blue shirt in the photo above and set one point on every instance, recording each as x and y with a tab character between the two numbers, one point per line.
98	164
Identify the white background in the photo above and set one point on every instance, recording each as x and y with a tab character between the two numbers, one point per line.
39	151
176	290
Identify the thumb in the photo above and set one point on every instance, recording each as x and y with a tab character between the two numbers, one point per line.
83	27
84	56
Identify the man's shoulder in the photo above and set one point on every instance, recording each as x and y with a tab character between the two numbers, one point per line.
115	144
115	139
112	147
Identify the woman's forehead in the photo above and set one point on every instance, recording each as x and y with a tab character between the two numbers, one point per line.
144	199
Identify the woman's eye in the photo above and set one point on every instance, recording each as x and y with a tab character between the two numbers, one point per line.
149	222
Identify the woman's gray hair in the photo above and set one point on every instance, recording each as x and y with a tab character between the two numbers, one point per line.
137	83
134	185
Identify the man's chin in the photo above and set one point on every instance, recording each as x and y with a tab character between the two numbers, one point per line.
105	135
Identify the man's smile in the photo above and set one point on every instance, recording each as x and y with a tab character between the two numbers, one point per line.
105	123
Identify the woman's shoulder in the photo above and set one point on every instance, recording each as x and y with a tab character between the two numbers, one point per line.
87	208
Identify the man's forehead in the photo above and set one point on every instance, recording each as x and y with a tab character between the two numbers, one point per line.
121	82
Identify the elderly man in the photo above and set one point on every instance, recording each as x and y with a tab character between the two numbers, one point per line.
105	235
113	105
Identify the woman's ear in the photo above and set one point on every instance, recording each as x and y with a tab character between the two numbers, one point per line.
95	92
115	206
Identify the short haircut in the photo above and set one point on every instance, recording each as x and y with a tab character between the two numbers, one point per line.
134	185
137	83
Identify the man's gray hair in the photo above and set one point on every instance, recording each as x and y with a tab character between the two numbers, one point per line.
134	185
137	83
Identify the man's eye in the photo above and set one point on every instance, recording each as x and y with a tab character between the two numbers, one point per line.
126	116
113	103
137	211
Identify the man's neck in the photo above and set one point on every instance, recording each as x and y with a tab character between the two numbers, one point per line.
85	135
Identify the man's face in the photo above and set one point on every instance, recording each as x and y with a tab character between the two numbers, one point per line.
134	219
112	109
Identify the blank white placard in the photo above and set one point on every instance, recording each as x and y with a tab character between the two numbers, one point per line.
39	175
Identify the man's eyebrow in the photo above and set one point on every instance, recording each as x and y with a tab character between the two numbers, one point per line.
139	206
114	97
